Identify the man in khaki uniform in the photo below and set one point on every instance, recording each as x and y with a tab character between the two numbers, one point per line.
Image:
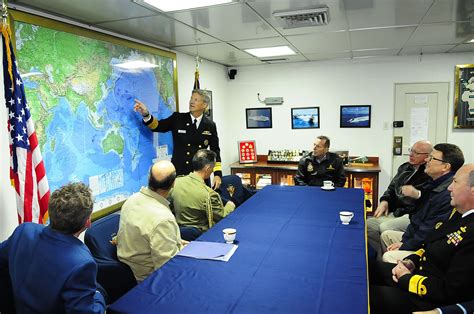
148	234
196	206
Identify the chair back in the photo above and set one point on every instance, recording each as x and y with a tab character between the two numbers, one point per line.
241	193
116	277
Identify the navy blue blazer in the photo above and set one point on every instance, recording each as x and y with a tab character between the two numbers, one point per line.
49	272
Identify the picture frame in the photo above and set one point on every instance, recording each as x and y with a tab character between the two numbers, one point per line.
209	111
258	118
247	151
305	118
355	116
464	97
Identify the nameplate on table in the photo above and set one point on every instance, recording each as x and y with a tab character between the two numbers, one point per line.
209	250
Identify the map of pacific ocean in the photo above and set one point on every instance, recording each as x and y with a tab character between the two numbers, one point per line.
81	102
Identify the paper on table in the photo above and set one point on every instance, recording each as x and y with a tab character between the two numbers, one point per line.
209	250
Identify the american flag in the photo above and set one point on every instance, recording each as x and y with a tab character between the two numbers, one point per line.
27	172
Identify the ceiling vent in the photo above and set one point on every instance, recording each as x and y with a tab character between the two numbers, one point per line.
303	18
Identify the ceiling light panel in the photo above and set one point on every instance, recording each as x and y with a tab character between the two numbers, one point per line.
271	51
177	5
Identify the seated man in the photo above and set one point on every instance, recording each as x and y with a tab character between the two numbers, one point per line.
433	203
391	214
196	206
148	234
48	269
441	272
320	165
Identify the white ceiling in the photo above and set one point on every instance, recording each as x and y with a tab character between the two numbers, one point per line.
357	28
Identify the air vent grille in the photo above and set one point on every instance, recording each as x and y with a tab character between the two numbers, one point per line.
303	18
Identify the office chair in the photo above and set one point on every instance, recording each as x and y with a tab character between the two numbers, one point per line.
115	277
233	183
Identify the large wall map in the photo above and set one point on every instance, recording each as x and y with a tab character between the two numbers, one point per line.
81	102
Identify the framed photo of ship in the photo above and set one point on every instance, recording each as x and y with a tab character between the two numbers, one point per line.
464	97
355	116
259	118
305	118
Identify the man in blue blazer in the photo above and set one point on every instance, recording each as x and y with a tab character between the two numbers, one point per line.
48	269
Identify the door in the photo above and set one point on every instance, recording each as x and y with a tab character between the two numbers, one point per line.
423	108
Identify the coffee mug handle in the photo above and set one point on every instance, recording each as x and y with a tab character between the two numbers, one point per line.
352	215
332	184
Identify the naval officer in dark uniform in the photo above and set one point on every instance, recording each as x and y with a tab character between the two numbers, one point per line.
191	131
320	165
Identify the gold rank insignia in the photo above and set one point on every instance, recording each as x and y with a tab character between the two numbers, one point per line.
455	237
206	133
206	142
310	167
438	224
330	167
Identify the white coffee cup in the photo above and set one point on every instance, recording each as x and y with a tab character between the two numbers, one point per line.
229	235
346	217
328	184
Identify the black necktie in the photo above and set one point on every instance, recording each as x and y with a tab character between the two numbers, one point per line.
195	123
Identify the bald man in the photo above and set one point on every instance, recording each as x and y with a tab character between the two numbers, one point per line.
442	270
148	234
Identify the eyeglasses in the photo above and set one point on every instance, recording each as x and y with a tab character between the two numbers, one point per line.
414	152
430	158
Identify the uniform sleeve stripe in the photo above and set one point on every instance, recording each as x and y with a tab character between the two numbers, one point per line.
153	124
420	252
416	285
218	167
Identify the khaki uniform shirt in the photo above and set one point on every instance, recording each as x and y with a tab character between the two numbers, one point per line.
194	203
148	235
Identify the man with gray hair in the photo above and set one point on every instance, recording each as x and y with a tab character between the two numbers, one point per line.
148	235
48	269
196	206
392	212
191	131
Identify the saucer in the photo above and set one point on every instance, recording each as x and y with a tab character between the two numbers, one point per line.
328	189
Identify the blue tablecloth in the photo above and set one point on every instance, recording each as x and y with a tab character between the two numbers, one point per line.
294	256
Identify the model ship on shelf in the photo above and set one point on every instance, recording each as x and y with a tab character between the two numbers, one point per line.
285	155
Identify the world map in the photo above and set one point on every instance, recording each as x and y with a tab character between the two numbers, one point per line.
81	101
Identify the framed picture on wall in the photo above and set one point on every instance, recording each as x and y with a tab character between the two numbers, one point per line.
247	152
305	118
355	116
208	112
259	118
464	97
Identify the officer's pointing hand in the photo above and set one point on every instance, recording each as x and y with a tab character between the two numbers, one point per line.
140	108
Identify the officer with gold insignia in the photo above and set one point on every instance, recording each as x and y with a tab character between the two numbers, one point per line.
191	131
320	165
441	272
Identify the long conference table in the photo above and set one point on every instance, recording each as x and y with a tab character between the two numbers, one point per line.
294	256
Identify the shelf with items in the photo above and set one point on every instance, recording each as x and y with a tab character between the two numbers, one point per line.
285	155
365	176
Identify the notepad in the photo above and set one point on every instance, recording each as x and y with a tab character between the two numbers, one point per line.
209	250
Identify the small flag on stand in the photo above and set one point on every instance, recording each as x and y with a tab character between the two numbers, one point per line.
27	172
196	74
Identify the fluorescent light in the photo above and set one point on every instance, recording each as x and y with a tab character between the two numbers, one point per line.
271	51
176	5
137	64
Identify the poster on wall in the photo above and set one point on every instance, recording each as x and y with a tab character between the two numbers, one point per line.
305	118
464	97
258	118
355	116
81	86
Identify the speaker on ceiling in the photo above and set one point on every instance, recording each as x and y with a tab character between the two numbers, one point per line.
232	73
